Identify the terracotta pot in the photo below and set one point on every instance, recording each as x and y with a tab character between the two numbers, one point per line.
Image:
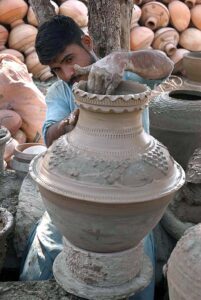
36	68
4	137
112	168
136	14
154	15
141	38
190	3
9	149
192	66
176	121
166	39
6	226
196	16
22	38
15	53
11	120
137	2
76	10
177	58
20	136
20	160
3	37
12	12
183	267
180	15
191	39
31	18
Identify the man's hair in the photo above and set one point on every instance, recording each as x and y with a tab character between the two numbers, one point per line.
54	36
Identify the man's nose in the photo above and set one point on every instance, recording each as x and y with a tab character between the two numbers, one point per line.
67	73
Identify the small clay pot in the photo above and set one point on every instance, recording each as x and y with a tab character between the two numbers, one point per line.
12	12
77	10
190	3
190	39
141	38
4	137
36	68
136	14
14	52
180	15
196	16
154	15
166	39
177	58
22	38
6	226
192	66
3	37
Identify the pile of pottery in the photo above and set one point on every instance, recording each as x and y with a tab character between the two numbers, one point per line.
171	26
18	30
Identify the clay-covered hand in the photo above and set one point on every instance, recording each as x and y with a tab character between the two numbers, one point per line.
106	74
70	122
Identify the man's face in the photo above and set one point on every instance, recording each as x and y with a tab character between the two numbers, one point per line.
63	65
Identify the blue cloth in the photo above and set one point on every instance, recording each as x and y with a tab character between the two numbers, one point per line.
45	241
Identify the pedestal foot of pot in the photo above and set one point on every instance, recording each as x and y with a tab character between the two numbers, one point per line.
102	276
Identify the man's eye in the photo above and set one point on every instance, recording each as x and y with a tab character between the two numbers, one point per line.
68	59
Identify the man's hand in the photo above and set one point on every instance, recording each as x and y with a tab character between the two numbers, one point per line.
106	74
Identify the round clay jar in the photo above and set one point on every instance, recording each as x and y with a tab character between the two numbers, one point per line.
77	10
196	16
180	15
154	15
192	66
141	38
190	39
12	12
14	52
166	39
3	37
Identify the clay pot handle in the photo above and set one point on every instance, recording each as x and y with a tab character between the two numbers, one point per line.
151	23
170	49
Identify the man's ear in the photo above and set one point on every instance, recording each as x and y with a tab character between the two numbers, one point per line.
87	42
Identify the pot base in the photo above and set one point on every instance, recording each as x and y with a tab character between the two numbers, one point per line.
102	276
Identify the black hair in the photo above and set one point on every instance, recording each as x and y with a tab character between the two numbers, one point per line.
54	36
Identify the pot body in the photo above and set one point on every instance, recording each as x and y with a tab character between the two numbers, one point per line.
175	121
107	183
192	66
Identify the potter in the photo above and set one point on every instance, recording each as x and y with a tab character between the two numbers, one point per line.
78	49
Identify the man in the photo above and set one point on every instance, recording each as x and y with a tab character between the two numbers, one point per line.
61	44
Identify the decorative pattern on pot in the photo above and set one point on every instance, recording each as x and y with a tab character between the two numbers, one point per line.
183	267
175	120
166	39
105	185
180	15
154	15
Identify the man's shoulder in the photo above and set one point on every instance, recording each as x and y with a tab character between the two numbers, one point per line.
59	85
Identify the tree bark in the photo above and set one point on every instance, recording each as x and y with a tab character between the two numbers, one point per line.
109	25
43	10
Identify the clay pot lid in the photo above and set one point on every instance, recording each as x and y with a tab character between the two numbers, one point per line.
128	96
184	264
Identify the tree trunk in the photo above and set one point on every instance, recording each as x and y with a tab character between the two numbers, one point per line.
43	10
109	25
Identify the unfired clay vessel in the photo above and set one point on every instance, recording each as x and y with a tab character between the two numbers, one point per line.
192	66
141	37
12	11
196	16
154	15
183	268
166	39
3	37
190	39
106	184
180	15
175	120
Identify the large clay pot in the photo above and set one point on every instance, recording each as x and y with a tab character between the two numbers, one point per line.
3	37
77	10
183	267
196	16
6	226
166	39
191	39
12	12
180	15
154	15
22	38
141	38
4	137
105	185
177	58
136	14
175	120
192	66
31	18
36	68
14	52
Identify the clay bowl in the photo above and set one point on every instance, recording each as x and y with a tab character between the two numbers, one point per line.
192	66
